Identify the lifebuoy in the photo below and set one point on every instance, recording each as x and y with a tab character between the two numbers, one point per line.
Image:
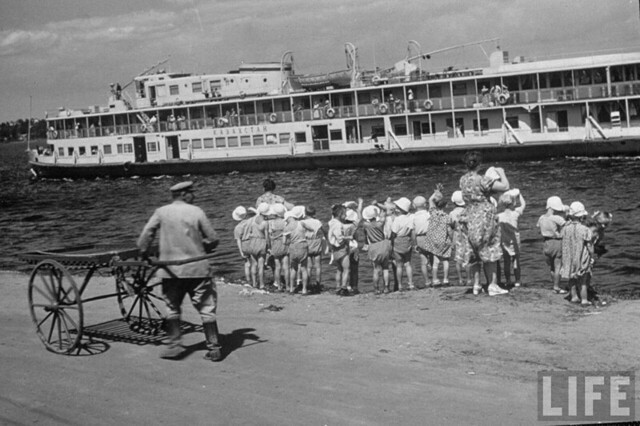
502	99
222	122
331	113
428	104
383	108
143	128
376	79
273	117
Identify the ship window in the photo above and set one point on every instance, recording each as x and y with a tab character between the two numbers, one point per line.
174	90
70	151
301	137
196	143
555	79
400	129
459	89
196	87
184	144
221	143
151	147
435	91
82	150
128	148
161	91
245	140
583	77
336	135
284	137
513	122
94	150
484	124
272	139
264	80
258	140
208	143
232	141
426	129
61	152
119	149
106	149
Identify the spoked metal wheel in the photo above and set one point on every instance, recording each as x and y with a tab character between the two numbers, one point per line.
138	298
56	307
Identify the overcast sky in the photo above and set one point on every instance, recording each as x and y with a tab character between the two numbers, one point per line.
66	52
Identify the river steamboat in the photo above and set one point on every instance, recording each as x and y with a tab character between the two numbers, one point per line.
264	116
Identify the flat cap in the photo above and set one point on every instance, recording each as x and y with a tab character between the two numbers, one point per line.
182	186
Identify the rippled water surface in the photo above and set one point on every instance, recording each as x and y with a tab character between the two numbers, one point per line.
52	214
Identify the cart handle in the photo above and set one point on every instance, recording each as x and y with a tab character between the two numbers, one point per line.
155	262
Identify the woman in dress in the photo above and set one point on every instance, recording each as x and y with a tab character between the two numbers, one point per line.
479	223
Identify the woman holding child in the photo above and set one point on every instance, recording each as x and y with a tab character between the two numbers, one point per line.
479	223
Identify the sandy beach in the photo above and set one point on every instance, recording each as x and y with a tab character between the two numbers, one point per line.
436	356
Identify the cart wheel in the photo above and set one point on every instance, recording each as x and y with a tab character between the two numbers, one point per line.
139	304
56	307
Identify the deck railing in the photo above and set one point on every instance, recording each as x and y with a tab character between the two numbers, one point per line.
417	106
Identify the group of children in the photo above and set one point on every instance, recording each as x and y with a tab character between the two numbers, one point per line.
294	241
573	240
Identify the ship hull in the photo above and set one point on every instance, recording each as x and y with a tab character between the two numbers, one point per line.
342	160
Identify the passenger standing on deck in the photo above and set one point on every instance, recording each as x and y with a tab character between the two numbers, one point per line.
240	215
402	238
577	254
479	223
184	232
421	226
378	246
550	225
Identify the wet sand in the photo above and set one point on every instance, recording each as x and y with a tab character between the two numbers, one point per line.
438	356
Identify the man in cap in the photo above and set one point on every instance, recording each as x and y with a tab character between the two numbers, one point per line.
184	232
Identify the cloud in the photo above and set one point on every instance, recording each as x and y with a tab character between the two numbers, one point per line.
16	42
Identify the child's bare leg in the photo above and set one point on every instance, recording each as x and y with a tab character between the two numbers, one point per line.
285	271
385	278
247	269
434	270
459	273
254	271
338	276
573	286
516	269
425	270
409	270
293	273
474	270
277	272
398	275
445	271
376	277
345	271
507	267
584	289
318	267
305	275
261	271
557	264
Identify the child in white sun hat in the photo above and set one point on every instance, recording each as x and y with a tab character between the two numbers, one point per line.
550	225
577	253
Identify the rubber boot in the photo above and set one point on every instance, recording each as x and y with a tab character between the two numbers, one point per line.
213	342
175	348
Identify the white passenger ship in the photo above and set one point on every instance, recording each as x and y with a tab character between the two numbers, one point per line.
263	116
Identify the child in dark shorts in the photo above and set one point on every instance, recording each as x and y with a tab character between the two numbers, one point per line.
378	246
550	225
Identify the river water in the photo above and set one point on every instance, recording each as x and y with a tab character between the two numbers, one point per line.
52	214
